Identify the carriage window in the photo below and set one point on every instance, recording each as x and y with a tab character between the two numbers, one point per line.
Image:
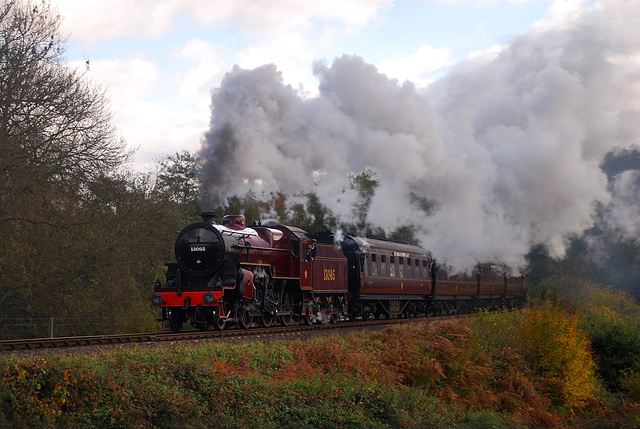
383	265
425	270
374	265
409	270
400	270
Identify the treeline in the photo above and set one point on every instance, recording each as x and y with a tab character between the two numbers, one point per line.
81	236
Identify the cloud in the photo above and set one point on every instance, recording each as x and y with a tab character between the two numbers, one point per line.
418	66
206	70
125	79
195	51
94	20
144	120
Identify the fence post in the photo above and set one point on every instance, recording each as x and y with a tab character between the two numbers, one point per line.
51	327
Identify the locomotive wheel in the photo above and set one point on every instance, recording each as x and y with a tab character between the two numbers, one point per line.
220	324
267	321
309	319
286	304
245	319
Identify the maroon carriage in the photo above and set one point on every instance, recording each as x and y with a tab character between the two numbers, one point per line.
488	286
387	278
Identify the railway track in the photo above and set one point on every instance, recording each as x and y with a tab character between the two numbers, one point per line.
97	340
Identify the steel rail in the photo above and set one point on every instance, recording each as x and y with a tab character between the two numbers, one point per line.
97	340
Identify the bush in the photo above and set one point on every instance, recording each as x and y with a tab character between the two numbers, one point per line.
630	383
609	317
560	350
616	348
551	340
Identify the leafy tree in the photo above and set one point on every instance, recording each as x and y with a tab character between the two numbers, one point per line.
404	234
365	184
177	181
323	219
424	204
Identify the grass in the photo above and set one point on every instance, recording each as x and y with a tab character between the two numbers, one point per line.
497	370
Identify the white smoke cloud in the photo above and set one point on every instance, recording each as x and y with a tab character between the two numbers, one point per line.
508	145
624	210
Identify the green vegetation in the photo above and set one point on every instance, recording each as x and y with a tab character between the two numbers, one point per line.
535	367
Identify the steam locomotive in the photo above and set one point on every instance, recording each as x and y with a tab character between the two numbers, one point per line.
231	274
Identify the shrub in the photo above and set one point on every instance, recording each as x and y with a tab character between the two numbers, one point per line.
560	350
630	383
616	348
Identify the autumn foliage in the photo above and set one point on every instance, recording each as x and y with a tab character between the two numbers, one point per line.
535	367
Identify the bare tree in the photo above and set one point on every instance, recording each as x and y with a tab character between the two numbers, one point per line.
59	156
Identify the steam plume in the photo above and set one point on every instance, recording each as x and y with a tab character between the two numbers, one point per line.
509	146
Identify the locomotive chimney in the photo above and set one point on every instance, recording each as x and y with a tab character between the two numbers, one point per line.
208	217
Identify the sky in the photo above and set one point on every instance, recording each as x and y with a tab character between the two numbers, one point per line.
159	59
495	114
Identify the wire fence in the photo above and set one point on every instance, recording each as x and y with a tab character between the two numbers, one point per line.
50	327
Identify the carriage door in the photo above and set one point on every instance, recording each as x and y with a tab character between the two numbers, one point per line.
306	268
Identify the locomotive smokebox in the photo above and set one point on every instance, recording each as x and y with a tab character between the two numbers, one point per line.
208	217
